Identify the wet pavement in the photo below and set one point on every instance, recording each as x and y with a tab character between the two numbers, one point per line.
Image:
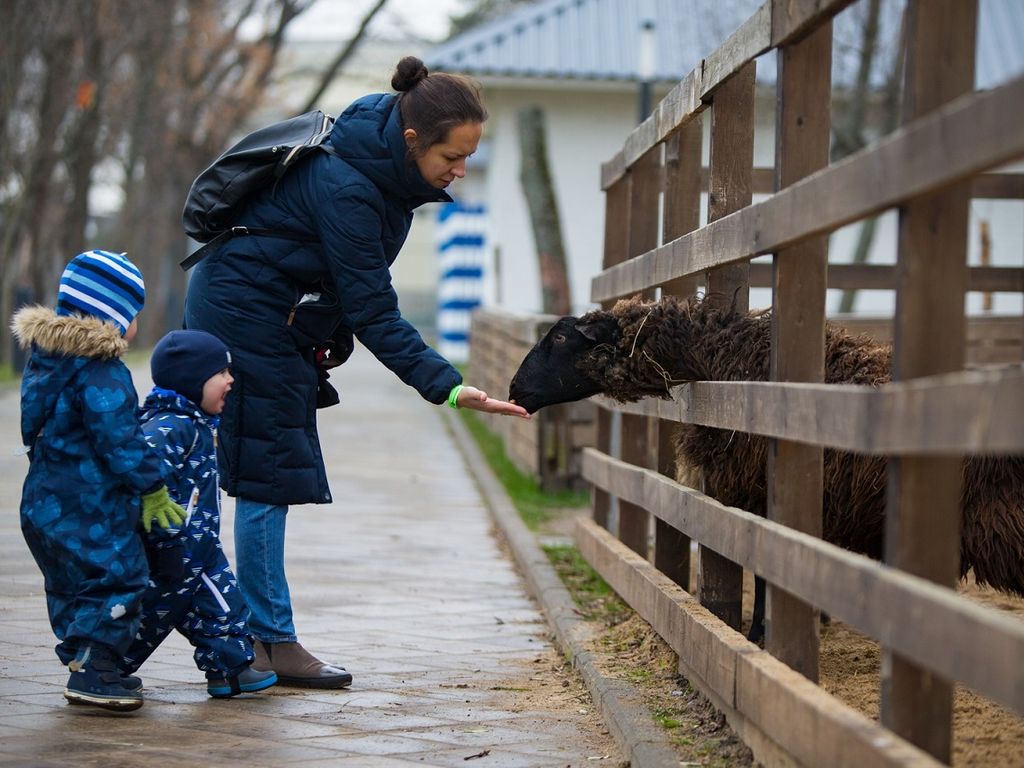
402	580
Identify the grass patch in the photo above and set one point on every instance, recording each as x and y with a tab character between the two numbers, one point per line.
667	718
639	675
535	506
9	376
595	599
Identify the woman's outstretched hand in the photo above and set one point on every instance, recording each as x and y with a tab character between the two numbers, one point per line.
477	400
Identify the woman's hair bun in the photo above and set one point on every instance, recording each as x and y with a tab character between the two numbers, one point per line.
409	72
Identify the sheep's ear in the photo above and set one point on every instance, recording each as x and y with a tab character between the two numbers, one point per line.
590	331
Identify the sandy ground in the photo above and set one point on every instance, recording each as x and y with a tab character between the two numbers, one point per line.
984	733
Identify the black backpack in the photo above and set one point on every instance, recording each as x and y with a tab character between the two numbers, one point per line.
254	163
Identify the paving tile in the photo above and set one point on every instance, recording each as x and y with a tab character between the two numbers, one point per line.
366	761
376	743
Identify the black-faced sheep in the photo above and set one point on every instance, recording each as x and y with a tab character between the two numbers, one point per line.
642	349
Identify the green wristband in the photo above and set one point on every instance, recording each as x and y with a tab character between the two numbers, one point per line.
453	396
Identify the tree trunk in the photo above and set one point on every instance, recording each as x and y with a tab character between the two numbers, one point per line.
853	133
535	178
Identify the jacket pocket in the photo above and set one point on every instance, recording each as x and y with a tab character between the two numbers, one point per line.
315	316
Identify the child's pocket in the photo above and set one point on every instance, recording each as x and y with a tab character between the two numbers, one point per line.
166	561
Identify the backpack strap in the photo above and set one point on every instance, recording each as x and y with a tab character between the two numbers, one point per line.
240	231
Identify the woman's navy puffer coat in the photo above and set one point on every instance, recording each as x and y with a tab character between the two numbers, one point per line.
359	205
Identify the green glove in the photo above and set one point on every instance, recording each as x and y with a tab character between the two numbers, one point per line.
158	505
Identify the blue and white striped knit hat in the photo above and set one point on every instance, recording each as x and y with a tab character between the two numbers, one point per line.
102	284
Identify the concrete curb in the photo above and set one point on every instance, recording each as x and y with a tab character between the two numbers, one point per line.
621	705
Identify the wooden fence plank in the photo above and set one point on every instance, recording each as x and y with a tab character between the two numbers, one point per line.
743	680
731	163
638	446
979	412
949	634
681	215
998	186
883	277
922	534
987	186
616	246
973	133
799	285
792	19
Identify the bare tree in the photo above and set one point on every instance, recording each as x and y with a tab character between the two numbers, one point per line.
199	78
156	88
481	11
343	56
538	189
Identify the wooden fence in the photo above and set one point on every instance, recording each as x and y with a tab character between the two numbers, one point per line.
932	414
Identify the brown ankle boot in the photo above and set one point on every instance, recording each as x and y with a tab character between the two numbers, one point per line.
297	667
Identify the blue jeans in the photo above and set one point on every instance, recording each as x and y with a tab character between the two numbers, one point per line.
259	568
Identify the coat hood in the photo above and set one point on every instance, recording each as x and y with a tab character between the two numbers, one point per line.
62	346
368	136
161	400
70	336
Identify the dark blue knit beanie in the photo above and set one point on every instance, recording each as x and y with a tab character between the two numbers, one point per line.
183	361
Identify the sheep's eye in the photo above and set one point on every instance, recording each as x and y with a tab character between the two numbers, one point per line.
559	338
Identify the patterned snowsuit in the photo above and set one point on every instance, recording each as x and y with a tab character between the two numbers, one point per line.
192	588
89	463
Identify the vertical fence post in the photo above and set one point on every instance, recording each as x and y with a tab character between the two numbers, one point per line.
682	172
616	232
639	437
923	509
799	283
729	189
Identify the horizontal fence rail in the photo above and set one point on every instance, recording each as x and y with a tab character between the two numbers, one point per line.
978	412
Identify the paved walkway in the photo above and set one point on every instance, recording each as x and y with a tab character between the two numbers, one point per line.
401	580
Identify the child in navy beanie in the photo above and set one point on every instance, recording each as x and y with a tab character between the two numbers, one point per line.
192	588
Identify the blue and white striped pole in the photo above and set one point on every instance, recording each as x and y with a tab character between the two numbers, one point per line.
460	289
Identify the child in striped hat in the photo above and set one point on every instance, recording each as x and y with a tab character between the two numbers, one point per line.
91	476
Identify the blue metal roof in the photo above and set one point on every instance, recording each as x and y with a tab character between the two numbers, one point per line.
600	40
589	39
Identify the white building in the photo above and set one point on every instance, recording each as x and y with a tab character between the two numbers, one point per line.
580	61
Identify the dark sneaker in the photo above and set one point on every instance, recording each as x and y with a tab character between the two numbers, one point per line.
95	681
248	680
131	682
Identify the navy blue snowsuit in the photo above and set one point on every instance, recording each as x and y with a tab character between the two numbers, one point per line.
359	205
192	588
89	463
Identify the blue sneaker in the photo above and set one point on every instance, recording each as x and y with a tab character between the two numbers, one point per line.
249	680
95	681
131	682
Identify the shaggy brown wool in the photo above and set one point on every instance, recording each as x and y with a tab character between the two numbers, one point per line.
671	341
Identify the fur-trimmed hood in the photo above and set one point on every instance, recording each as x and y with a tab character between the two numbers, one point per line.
76	336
